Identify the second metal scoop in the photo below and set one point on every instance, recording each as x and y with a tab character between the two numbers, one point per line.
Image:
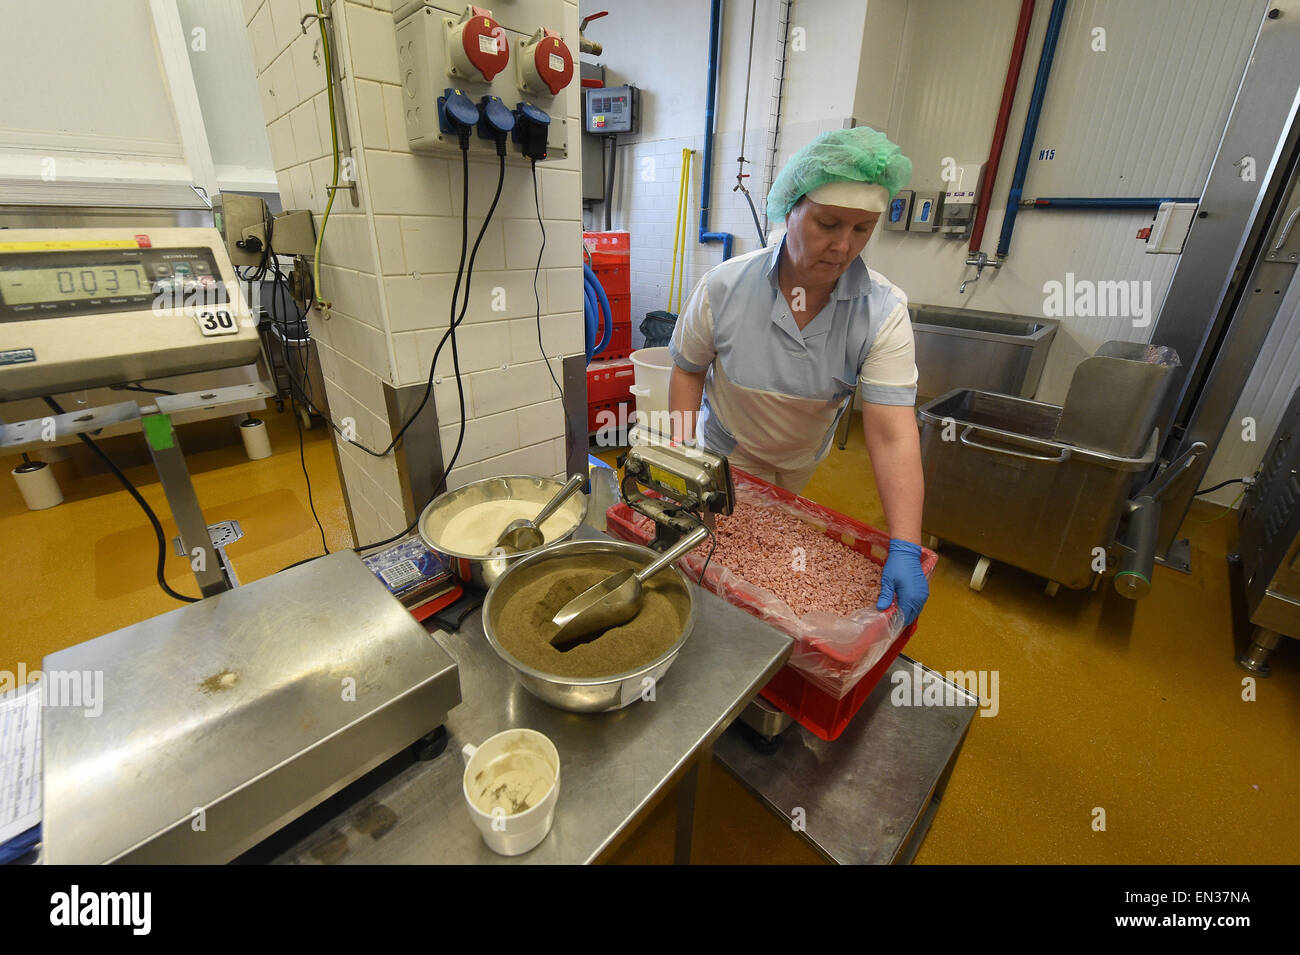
524	534
616	599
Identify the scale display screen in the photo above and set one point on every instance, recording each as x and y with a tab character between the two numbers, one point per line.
26	286
52	284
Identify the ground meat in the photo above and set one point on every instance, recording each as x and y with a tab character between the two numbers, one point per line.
760	544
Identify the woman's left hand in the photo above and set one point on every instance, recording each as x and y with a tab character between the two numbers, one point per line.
903	577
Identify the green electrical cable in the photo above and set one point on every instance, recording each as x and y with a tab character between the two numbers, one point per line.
334	135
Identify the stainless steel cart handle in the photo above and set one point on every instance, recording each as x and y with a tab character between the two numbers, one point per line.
966	439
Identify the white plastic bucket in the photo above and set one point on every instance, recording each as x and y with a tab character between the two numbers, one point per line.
651	369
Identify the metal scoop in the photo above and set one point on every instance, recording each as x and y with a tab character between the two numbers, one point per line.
616	599
523	534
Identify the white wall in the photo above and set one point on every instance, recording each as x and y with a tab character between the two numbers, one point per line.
84	85
663	49
1141	118
227	88
389	265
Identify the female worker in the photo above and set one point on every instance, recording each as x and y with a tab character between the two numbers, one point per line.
771	345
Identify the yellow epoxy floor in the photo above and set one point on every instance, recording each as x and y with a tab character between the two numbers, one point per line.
1134	708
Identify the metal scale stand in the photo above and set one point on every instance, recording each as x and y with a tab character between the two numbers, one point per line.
688	482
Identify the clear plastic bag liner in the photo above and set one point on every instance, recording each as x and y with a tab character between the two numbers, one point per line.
831	651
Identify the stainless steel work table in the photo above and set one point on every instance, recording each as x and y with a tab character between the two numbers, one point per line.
612	765
870	796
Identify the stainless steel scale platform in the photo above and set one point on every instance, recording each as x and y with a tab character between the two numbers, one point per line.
226	719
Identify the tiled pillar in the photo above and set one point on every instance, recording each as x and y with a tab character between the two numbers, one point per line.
388	266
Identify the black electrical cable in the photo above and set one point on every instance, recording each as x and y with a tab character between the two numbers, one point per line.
609	184
144	505
712	545
293	402
136	386
454	324
1219	485
537	269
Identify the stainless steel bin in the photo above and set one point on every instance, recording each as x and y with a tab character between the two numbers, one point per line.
958	348
998	482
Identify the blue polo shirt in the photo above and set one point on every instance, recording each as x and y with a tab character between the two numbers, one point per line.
775	391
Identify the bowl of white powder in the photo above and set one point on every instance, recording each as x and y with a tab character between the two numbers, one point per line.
464	524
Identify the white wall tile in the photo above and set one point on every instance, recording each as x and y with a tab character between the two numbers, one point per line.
308	64
404	183
432	243
543	420
280	135
388	231
373	44
263	36
517	385
563	244
306	136
284	87
395	118
561	193
284	21
563	289
370	103
484	437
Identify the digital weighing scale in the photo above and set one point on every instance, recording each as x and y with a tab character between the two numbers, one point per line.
87	307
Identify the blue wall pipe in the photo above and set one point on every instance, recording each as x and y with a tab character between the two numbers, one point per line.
591	319
1115	202
715	42
596	301
1031	124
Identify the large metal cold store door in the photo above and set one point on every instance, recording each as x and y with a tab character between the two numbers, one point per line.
1239	258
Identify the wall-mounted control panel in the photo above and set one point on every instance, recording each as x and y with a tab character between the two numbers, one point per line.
467	75
612	109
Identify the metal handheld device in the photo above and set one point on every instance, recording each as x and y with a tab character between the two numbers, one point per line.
87	307
686	482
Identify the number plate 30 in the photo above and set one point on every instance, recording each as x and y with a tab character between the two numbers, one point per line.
217	321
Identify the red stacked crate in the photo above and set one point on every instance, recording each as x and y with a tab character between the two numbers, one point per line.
608	254
609	375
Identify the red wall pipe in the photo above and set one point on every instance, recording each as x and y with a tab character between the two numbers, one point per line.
1004	117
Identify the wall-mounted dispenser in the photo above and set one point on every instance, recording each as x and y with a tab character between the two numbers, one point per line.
959	200
899	213
925	211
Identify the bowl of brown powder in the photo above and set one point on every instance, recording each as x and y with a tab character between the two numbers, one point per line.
615	667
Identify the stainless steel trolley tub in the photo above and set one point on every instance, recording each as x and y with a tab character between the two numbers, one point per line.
1050	488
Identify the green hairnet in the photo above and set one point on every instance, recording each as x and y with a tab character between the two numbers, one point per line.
859	154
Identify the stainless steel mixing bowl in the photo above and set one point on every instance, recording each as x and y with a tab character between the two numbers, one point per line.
482	570
583	694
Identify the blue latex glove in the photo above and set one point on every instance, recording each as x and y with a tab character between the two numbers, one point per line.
903	576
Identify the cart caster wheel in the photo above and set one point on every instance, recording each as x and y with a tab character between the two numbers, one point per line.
1051	588
279	405
933	542
980	574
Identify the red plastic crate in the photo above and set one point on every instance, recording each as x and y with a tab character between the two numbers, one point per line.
607	248
614	279
620	306
609	380
622	411
813	707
